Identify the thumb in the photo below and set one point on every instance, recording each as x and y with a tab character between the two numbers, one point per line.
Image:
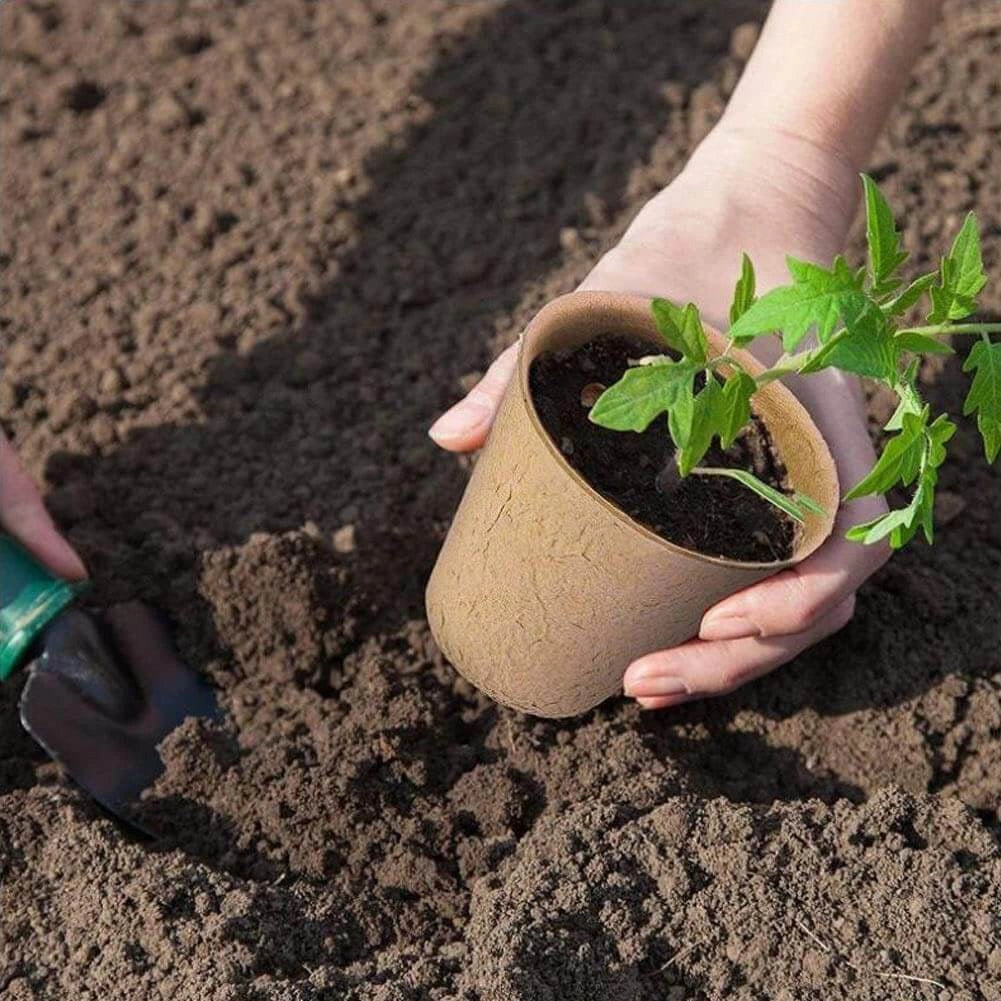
465	426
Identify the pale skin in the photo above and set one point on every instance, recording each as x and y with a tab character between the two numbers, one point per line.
778	175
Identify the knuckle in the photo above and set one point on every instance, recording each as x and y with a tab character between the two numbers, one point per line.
797	605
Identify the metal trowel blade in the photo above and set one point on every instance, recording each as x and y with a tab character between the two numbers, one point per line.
104	693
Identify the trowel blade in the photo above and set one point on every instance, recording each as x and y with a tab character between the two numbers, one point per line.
103	694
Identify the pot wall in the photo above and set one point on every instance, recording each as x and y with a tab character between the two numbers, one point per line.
544	592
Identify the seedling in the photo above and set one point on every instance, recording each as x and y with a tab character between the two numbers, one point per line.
856	318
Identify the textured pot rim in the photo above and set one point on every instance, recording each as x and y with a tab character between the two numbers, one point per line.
598	300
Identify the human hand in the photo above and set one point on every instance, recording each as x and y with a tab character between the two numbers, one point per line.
23	515
769	194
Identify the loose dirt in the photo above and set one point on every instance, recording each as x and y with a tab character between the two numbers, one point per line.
248	252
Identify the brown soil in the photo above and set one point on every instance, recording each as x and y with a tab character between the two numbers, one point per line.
248	252
637	472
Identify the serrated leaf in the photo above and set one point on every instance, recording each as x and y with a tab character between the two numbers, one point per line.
911	340
910	295
885	252
902	524
703	427
900	460
744	292
780	500
735	406
962	276
870	532
642	394
910	399
865	348
984	397
818	298
667	318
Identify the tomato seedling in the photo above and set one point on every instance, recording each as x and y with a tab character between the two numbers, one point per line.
837	317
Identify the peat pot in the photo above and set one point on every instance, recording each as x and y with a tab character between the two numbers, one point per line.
544	591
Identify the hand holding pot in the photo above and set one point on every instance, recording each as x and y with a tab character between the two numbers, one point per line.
23	515
777	176
735	195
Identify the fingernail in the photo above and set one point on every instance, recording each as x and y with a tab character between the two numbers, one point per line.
662	702
728	627
453	423
654	686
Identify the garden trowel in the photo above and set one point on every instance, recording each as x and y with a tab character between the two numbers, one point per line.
102	690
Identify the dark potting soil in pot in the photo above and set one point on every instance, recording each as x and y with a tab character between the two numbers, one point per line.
711	515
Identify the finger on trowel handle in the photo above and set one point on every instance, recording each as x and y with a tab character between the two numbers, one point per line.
102	695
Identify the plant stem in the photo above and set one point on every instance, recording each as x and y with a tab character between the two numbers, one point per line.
724	359
954	328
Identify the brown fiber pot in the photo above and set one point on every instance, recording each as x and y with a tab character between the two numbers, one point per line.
544	591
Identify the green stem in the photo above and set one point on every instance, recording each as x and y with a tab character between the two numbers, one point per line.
791	364
953	328
724	359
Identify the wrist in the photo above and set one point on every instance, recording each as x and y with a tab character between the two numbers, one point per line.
786	172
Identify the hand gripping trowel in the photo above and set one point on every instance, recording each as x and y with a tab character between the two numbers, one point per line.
102	690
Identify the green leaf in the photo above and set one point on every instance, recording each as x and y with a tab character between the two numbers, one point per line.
681	416
902	524
795	509
910	399
939	433
667	317
962	276
870	532
642	394
818	298
984	397
735	406
744	293
681	328
693	335
865	348
885	252
911	340
911	295
900	460
807	503
704	423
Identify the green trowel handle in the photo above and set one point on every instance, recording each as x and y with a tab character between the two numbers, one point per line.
30	597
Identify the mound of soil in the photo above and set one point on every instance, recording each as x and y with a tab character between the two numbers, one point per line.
248	252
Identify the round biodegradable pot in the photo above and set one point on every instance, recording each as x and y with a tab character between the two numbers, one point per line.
544	591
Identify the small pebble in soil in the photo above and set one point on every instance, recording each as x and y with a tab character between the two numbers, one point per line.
590	393
743	39
344	539
112	382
